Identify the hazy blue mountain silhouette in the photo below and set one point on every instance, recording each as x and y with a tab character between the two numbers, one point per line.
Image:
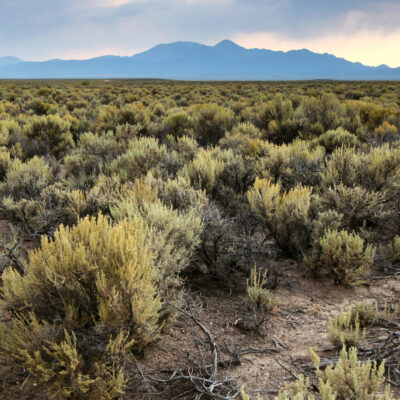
9	60
194	61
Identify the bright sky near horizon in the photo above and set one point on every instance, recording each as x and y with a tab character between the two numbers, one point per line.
359	30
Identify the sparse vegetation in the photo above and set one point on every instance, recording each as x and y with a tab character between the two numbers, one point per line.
260	300
344	329
349	379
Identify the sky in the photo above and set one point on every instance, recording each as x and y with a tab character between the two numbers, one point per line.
358	30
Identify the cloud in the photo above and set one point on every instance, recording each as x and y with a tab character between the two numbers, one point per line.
369	47
370	36
104	3
43	29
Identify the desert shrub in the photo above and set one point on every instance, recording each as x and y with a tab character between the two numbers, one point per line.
88	297
275	118
244	139
373	115
385	133
178	124
210	123
225	247
125	133
39	107
351	379
373	170
52	135
102	196
246	129
10	131
134	115
236	178
301	390
260	300
43	215
243	394
340	254
5	163
344	329
204	170
110	117
293	164
11	138
90	158
318	115
245	145
334	139
394	249
285	215
230	191
343	167
381	165
359	207
364	312
180	195
4	135
10	251
26	180
143	155
185	147
324	220
157	110
392	190
107	119
103	147
173	236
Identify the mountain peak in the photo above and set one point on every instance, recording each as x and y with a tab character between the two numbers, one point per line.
227	44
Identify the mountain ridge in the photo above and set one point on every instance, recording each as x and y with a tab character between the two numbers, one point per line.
195	61
8	60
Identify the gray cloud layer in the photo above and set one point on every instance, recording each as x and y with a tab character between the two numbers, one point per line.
41	29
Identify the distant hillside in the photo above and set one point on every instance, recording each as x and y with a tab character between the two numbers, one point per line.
194	61
9	60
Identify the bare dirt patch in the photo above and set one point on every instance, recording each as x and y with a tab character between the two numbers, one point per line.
299	322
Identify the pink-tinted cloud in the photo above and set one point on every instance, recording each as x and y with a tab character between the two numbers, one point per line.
370	47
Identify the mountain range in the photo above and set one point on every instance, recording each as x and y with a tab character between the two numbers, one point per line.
195	61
